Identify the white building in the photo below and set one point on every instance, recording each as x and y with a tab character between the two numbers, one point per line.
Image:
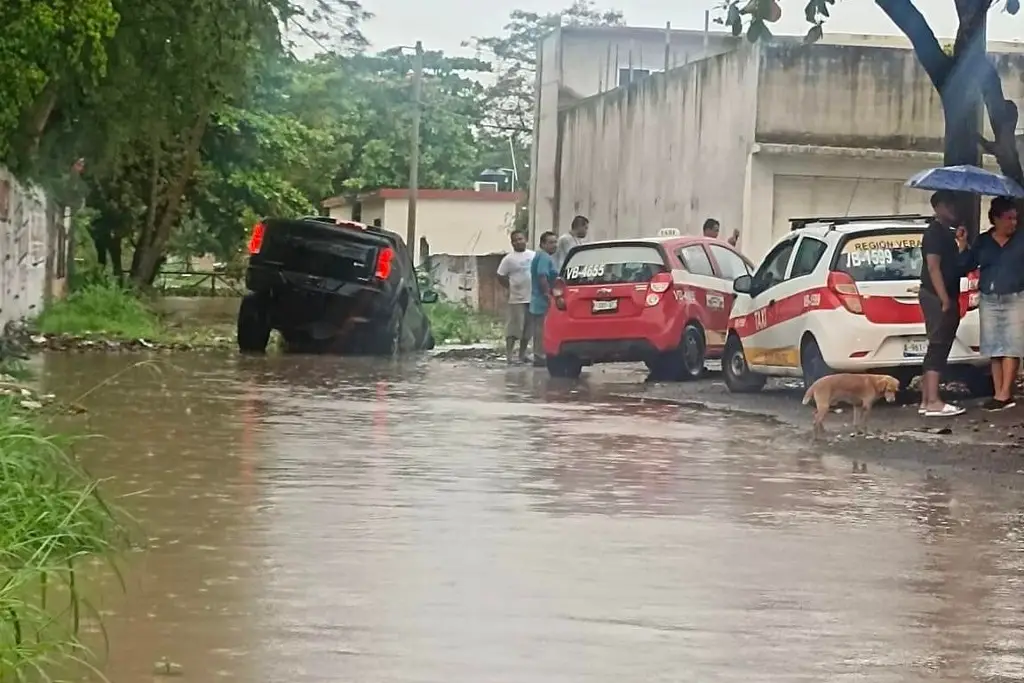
749	134
457	222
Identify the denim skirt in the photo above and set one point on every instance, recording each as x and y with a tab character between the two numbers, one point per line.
1002	325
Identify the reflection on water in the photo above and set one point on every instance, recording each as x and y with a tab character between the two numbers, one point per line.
323	519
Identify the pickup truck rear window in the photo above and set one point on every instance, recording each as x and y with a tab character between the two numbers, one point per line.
612	264
881	257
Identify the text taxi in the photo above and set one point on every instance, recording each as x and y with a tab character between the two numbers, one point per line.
840	295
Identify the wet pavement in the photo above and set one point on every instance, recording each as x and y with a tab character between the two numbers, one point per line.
325	519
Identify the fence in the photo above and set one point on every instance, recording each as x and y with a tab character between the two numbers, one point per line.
198	283
33	249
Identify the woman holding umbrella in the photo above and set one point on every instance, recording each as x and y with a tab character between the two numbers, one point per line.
999	254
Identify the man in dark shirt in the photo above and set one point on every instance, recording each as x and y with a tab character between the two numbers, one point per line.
939	298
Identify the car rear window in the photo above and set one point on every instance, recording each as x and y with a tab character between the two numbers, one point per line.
613	264
881	256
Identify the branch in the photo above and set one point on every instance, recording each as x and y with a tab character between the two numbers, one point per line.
914	26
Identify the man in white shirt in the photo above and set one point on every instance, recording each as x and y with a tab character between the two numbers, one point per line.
577	235
514	275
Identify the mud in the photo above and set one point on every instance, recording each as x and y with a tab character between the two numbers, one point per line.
325	519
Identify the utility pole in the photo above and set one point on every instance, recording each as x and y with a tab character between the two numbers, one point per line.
414	152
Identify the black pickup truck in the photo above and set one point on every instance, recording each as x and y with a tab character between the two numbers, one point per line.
330	285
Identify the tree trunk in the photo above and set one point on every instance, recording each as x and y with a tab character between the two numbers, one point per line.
150	250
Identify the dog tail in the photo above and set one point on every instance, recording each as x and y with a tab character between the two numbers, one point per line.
808	394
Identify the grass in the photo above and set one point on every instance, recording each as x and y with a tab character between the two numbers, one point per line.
459	324
100	309
52	519
110	312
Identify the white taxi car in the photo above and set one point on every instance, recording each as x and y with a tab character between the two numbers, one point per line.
840	295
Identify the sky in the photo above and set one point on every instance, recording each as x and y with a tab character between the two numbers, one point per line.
445	24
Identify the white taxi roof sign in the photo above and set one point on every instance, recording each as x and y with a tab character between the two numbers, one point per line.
668	232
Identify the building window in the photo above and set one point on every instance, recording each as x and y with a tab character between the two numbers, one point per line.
637	75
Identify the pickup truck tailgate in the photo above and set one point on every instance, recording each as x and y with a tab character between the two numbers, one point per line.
328	251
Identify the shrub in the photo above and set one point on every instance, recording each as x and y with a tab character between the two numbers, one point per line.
99	308
460	324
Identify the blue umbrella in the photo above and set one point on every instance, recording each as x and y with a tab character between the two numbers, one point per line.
966	179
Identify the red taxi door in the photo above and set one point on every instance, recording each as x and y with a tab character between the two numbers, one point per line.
713	293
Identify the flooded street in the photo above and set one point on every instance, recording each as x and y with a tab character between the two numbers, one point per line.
324	519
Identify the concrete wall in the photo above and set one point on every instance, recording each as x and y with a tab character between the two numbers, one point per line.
470	280
32	250
451	226
574	63
591	58
857	95
667	152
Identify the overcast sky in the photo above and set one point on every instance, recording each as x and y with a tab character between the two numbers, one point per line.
444	24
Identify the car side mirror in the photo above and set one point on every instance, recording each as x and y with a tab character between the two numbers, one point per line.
744	284
428	296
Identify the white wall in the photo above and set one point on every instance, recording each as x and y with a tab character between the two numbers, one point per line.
668	152
25	233
575	63
451	226
455	226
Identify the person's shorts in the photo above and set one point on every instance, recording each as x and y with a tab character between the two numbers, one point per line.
1002	325
941	327
517	324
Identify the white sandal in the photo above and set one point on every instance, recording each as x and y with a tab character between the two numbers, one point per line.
948	410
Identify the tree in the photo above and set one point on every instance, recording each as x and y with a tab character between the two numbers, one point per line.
334	124
46	45
513	58
964	78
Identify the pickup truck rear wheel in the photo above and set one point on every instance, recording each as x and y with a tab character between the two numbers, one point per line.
389	340
253	330
738	375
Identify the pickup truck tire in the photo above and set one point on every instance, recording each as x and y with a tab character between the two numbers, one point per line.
738	375
253	325
389	338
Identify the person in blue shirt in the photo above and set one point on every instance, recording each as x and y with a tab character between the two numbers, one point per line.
543	272
999	254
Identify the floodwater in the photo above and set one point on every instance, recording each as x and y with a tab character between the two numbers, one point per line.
325	519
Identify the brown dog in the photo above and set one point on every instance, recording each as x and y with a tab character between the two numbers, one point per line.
860	391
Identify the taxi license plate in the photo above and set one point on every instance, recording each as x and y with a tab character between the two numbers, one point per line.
601	306
915	348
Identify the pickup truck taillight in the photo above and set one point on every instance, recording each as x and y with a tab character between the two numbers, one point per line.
256	239
385	258
845	287
558	294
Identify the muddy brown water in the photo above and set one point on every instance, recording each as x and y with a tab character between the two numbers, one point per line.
324	519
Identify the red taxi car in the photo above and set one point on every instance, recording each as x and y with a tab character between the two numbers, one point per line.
664	301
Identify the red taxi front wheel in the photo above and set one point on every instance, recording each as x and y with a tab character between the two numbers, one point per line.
738	376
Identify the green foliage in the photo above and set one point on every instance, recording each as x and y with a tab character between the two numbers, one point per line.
100	309
195	119
51	520
45	43
458	323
